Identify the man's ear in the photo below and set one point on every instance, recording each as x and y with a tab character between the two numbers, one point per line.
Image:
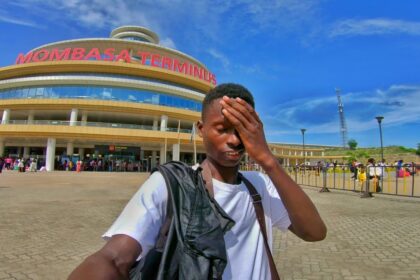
199	126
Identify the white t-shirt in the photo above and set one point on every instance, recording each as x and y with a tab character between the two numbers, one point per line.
144	214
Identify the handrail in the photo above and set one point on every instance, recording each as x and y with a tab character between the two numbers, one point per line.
93	124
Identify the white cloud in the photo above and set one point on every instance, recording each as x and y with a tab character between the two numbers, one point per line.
208	18
377	26
399	104
19	21
221	57
167	42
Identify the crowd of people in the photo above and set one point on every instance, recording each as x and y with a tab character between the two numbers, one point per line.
99	164
38	164
20	164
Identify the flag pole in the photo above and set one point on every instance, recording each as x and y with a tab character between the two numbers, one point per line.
194	144
179	132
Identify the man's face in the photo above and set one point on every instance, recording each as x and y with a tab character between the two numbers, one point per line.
221	140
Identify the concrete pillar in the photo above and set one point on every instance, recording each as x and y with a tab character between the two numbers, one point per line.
175	151
163	123
19	151
162	155
1	148
70	148
84	119
73	116
6	116
50	157
153	160
322	153
82	153
141	154
31	117
26	152
155	125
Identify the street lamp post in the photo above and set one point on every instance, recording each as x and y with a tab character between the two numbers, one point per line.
303	148
379	119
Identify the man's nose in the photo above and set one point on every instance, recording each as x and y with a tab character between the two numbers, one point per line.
234	139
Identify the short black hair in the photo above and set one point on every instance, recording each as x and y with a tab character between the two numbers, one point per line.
230	90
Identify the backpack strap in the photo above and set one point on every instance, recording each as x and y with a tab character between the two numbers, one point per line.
259	211
207	177
164	230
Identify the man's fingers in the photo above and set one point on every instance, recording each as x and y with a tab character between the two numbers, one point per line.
249	108
233	105
237	118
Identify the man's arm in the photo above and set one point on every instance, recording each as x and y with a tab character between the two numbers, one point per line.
113	261
305	219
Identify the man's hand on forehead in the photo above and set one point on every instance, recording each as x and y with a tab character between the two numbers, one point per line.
248	125
238	111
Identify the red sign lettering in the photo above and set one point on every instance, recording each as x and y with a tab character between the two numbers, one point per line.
152	59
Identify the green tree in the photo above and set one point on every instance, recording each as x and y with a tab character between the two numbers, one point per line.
418	149
352	144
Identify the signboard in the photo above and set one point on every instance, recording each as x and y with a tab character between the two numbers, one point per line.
110	54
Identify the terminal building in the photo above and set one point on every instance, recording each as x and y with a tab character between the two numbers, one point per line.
120	99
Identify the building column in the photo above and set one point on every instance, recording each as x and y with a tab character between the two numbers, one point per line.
162	155
50	157
84	119
6	116
163	123
155	125
31	117
153	160
73	116
141	154
26	152
70	148
81	153
1	148
175	151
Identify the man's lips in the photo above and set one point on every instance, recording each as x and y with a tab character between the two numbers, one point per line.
234	153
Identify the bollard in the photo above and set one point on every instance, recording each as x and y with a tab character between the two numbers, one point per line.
324	181
366	193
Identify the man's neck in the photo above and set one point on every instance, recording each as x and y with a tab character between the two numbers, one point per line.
224	174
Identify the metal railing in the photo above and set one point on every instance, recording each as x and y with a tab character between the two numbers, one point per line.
93	124
392	180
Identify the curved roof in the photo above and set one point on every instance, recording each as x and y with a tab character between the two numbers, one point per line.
135	29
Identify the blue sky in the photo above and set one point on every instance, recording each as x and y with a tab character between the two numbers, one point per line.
291	54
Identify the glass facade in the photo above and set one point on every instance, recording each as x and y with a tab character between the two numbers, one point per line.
132	38
101	93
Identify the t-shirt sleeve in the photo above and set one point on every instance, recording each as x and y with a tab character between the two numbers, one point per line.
144	214
279	216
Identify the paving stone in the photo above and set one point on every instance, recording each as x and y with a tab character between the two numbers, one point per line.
50	222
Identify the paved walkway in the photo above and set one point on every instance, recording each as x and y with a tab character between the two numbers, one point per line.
49	222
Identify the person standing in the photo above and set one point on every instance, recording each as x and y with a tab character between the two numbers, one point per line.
229	126
79	165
